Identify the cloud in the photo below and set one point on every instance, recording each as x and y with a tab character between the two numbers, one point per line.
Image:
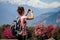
33	3
44	21
58	21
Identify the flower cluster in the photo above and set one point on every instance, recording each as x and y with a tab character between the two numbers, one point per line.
8	34
42	31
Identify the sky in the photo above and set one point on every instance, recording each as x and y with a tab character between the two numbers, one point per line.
50	1
8	8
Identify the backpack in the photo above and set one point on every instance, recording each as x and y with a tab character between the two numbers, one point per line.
16	27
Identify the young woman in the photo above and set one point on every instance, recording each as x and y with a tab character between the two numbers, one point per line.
23	17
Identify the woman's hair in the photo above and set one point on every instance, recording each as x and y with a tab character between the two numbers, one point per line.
20	10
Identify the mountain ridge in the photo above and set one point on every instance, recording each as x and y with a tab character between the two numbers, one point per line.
39	19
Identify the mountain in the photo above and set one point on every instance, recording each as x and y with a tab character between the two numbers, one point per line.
9	12
50	18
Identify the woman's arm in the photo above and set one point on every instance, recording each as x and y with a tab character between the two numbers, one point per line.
32	15
26	12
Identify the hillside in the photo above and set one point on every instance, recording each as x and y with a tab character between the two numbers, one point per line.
50	18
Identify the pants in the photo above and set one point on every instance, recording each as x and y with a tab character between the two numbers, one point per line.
20	37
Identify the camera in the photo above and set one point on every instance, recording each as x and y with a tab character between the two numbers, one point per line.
28	9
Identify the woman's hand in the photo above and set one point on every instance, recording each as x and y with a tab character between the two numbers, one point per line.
31	11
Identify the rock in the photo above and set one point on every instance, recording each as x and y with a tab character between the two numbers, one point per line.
50	39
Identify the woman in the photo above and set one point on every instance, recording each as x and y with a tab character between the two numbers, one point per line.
23	17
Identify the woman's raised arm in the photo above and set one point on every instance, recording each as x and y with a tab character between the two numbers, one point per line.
32	15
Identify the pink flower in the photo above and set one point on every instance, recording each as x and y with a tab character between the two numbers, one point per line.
42	31
50	31
39	30
7	33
